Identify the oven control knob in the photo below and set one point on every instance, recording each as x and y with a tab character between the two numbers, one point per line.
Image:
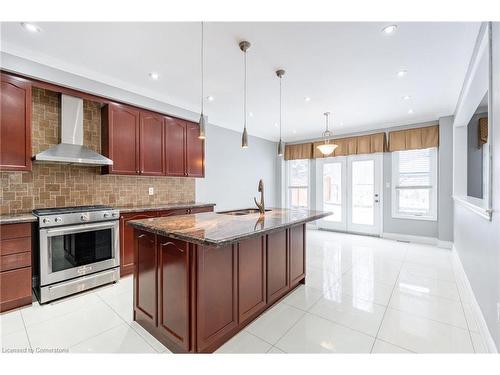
114	214
57	219
46	220
106	215
84	218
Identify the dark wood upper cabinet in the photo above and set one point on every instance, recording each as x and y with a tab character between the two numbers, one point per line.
15	123
173	290
152	138
120	138
195	151
175	144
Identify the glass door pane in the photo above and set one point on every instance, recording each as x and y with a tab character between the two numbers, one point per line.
332	191
363	189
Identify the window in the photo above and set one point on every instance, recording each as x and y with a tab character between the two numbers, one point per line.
298	183
414	184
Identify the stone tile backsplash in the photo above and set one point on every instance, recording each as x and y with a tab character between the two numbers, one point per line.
51	185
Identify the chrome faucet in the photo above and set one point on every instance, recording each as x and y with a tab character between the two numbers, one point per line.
262	209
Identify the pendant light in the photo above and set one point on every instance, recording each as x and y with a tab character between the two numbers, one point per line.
244	46
202	122
280	73
327	148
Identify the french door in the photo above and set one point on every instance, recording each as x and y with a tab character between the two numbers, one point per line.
351	188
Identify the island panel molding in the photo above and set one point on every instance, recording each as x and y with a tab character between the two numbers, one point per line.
209	285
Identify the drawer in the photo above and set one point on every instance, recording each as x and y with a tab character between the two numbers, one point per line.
15	261
8	231
15	246
15	288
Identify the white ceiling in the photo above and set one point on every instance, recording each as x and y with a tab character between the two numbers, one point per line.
346	68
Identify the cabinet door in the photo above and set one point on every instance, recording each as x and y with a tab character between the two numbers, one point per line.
180	211
297	254
195	151
173	288
175	146
152	138
251	277
15	124
127	240
216	304
145	278
121	138
277	266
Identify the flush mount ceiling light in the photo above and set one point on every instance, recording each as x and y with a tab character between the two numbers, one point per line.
202	122
326	148
402	73
244	46
410	111
406	97
280	73
210	98
154	76
307	99
31	27
390	29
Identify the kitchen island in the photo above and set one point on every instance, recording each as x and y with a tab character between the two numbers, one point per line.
200	279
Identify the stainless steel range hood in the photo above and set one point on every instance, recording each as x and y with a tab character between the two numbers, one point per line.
71	149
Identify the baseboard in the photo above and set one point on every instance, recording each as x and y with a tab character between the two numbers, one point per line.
417	239
478	314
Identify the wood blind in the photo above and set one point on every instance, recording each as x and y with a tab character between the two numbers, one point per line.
298	151
364	144
414	139
483	131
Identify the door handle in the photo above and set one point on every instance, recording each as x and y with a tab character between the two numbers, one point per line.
141	235
171	243
376	201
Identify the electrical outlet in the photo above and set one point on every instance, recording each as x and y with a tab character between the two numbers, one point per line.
151	190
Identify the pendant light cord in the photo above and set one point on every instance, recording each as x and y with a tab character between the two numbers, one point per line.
202	55
245	92
280	108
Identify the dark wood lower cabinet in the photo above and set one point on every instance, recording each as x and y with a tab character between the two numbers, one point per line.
194	298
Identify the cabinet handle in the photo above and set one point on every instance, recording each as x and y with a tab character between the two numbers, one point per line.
171	243
141	235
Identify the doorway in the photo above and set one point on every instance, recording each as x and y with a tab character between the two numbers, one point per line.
351	188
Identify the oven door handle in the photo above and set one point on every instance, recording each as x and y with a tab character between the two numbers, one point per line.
79	228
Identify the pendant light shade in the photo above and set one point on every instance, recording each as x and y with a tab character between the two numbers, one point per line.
327	148
244	46
280	73
202	122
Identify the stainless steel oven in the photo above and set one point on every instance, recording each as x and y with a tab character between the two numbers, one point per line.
78	250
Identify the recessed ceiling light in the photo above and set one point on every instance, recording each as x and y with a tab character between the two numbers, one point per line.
210	98
307	99
154	75
402	73
275	124
390	29
31	27
410	111
341	123
294	131
406	97
250	114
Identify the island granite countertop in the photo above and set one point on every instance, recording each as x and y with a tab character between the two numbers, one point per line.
219	229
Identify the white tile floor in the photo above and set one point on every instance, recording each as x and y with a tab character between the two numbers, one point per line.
362	295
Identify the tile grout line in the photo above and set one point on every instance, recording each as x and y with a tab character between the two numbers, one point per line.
390	298
25	329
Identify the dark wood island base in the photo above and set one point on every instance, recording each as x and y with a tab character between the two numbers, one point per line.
193	297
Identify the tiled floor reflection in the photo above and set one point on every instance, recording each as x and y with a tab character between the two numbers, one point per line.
362	295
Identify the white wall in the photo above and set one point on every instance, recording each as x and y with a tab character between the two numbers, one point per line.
232	174
477	240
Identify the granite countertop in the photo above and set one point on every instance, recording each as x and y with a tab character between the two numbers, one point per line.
162	206
17	218
215	229
29	217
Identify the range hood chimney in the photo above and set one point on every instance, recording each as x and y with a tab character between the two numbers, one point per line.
71	149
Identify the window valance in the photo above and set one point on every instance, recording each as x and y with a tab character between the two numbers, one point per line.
414	139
